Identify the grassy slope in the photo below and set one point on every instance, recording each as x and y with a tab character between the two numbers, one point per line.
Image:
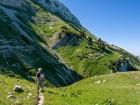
114	89
7	85
79	58
34	56
83	60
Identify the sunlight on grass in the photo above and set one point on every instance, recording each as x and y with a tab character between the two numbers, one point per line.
113	89
27	97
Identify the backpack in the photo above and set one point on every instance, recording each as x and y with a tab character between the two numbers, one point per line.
42	77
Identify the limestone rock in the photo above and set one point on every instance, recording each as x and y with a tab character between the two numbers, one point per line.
18	89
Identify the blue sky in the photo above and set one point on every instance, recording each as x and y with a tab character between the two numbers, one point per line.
114	21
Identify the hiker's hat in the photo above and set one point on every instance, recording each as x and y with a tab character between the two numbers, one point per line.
40	69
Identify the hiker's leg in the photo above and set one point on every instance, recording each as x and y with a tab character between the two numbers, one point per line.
42	85
38	86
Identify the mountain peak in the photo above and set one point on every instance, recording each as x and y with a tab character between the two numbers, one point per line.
61	10
54	6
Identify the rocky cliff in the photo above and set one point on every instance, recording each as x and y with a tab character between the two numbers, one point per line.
58	8
53	6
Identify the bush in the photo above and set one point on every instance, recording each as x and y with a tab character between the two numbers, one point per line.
32	72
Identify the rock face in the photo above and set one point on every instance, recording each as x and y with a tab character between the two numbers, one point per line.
52	5
58	8
67	40
15	3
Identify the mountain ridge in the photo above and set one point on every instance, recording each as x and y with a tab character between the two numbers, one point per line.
53	6
29	46
36	37
138	56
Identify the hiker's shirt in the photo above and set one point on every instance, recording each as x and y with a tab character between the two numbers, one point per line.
38	77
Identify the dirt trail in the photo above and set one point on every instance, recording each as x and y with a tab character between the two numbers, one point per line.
40	98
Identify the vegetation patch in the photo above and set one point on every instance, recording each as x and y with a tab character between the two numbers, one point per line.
112	89
8	96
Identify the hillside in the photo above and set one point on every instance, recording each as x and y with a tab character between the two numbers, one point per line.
39	33
23	50
112	89
9	97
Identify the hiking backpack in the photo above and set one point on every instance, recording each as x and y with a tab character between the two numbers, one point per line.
42	77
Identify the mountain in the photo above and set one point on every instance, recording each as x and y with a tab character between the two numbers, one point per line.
23	49
44	33
53	6
138	56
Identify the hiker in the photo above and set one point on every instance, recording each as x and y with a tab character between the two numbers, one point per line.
40	79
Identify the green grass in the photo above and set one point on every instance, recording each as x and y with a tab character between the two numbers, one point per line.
84	59
7	85
42	28
114	89
87	61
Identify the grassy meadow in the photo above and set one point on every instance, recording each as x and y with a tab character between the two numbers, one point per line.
27	97
112	89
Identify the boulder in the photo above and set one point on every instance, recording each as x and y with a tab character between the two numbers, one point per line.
11	96
18	89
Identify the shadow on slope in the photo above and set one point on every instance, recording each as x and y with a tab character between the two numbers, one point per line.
19	55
